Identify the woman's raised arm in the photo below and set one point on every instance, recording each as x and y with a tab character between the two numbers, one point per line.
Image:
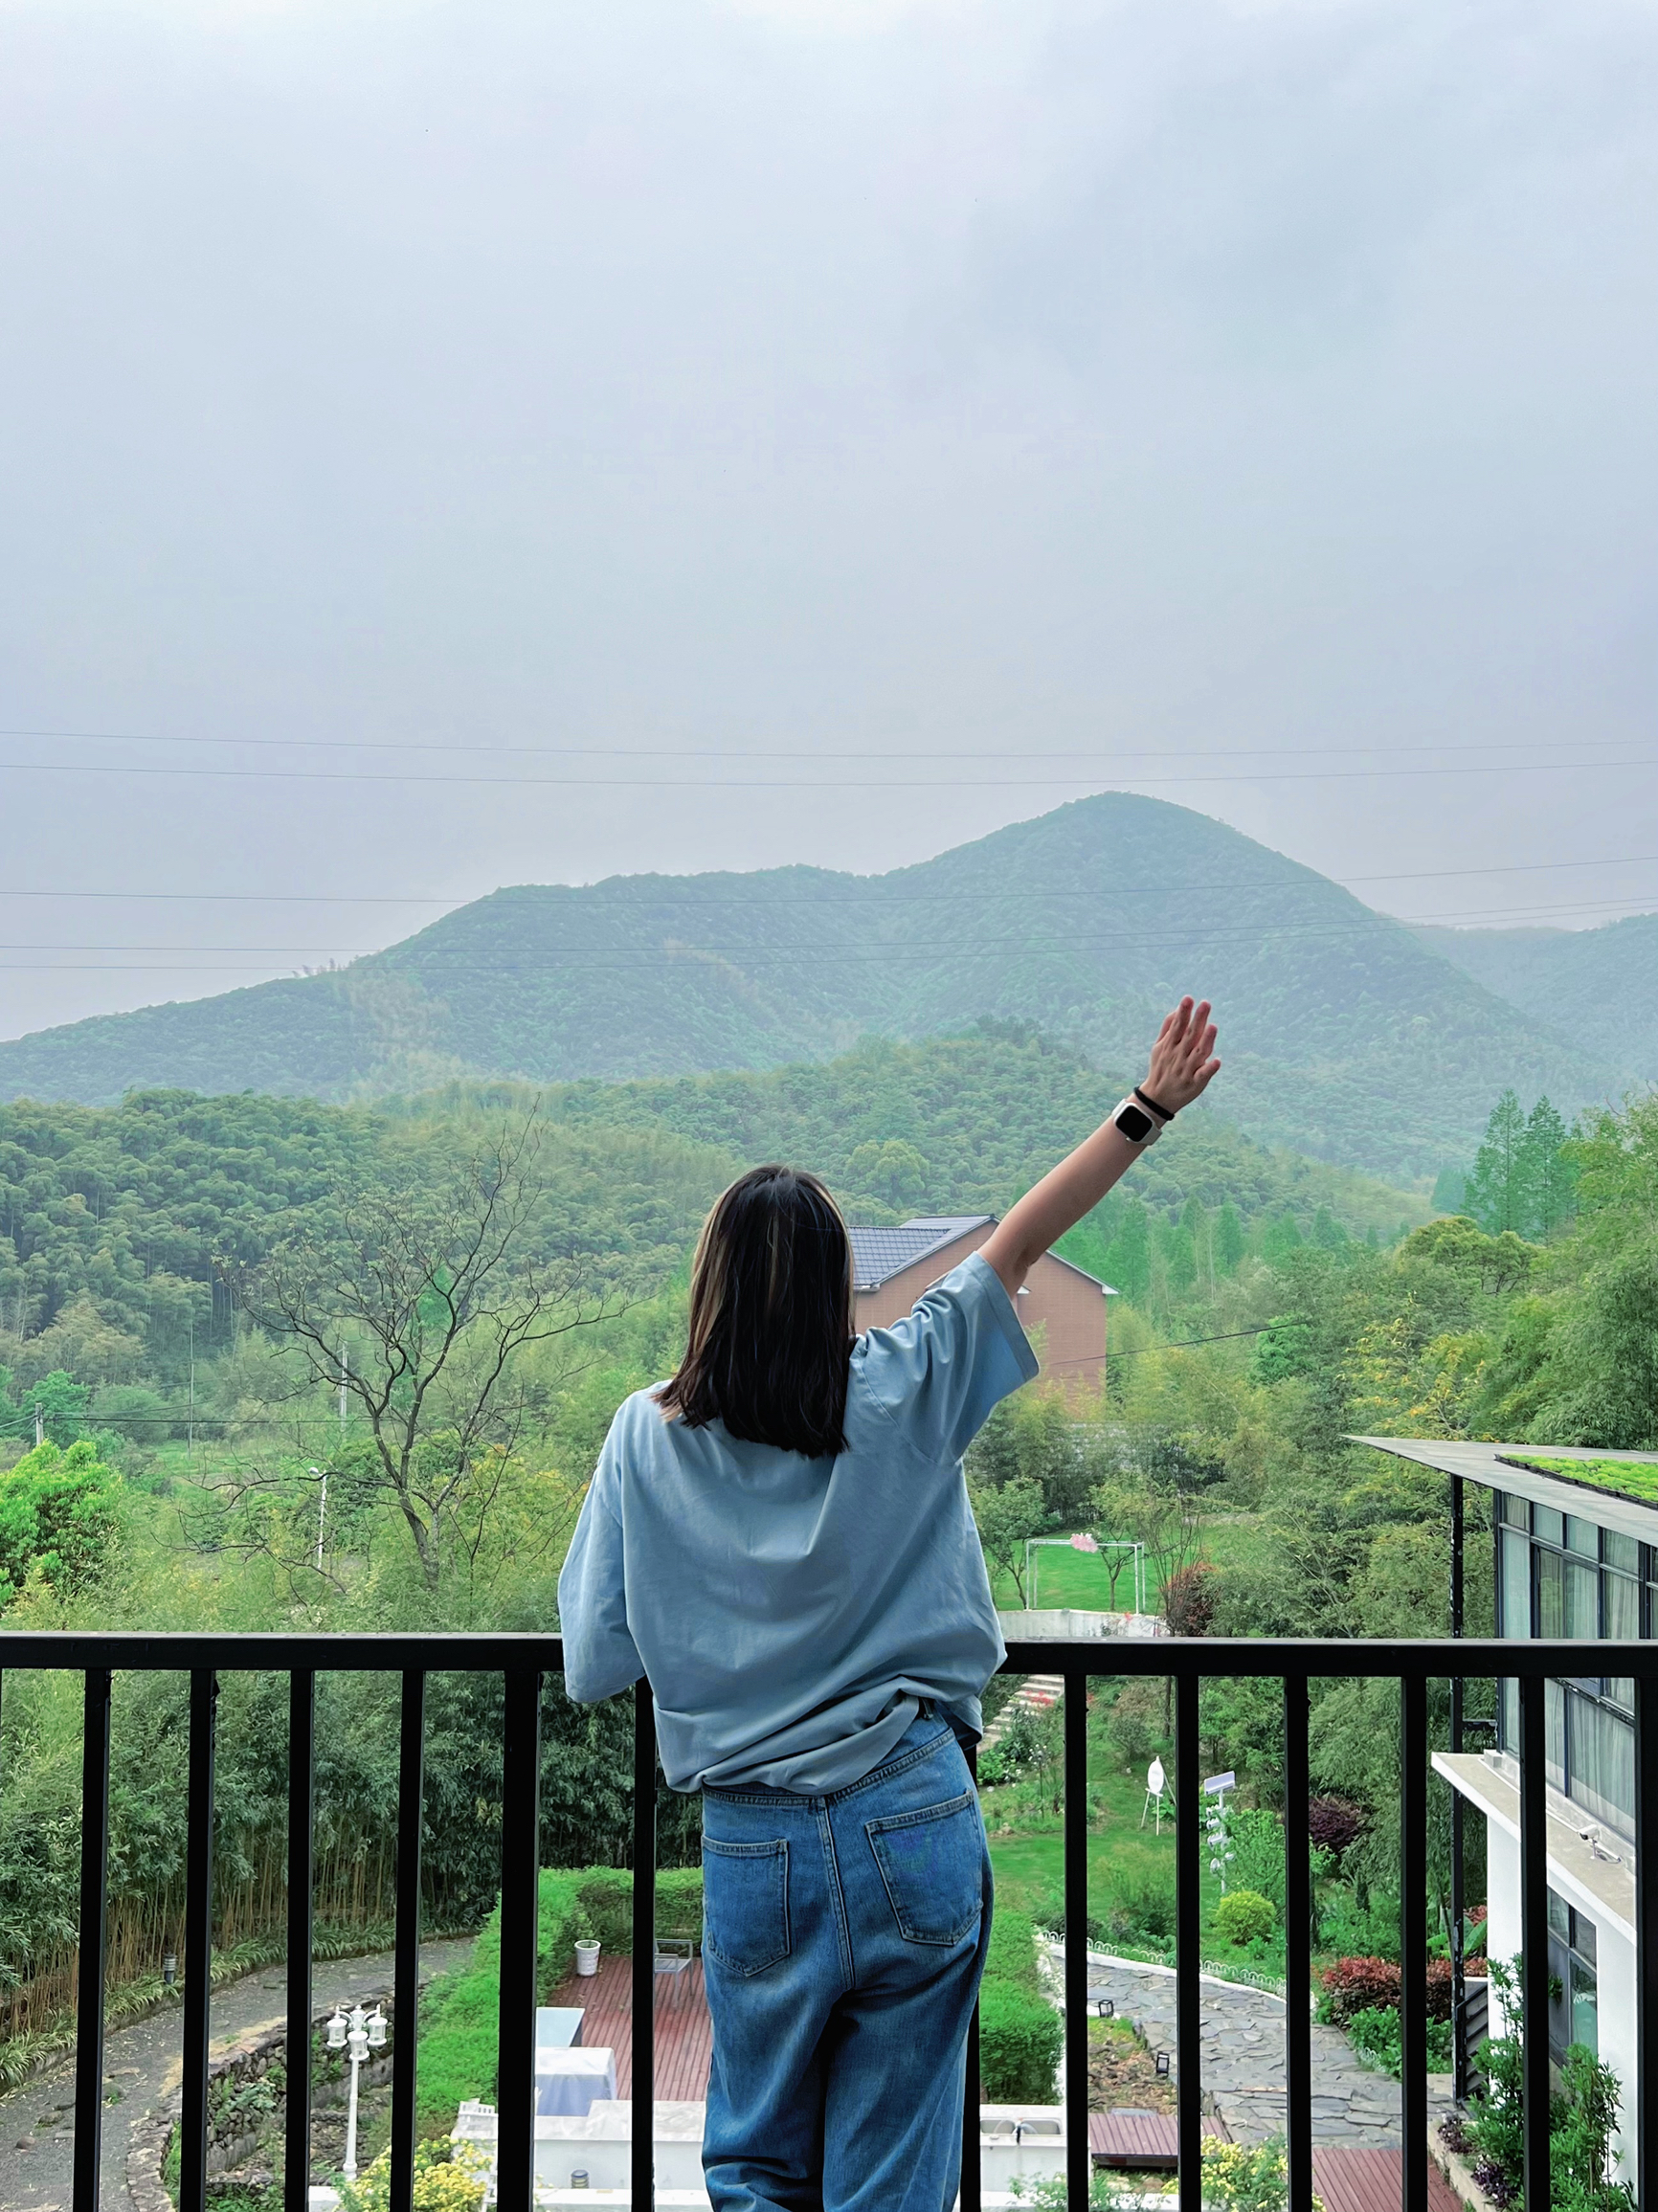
1182	1064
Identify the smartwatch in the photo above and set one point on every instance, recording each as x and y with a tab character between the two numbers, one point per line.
1140	1127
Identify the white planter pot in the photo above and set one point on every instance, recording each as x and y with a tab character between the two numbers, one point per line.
587	1957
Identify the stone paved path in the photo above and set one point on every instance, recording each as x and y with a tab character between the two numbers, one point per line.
1244	2058
144	2062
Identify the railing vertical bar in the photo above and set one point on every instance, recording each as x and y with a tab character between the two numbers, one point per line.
1079	2161
198	1924
1298	1948
1187	1941
972	2193
1413	1942
1458	1897
89	1969
1535	1933
642	2181
297	2100
406	1971
519	1879
1646	1942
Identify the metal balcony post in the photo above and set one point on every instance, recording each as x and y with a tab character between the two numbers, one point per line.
89	1967
1413	1941
297	2117
1079	2161
1187	1941
520	1886
644	1993
198	1921
406	1972
1535	1933
1297	1948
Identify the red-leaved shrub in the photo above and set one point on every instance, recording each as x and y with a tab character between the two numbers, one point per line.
1439	1989
1189	1600
1333	1823
1360	1985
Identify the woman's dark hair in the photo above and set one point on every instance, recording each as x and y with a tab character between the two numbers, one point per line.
771	1331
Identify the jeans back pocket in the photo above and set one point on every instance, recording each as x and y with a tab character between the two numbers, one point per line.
932	1863
746	1904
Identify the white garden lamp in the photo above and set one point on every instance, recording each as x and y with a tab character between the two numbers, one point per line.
356	2033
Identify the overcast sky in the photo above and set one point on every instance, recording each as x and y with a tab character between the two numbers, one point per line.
993	380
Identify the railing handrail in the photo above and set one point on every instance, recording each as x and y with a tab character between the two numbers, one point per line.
526	1659
1411	1659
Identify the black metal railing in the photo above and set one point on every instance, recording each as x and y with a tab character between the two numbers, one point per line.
526	1660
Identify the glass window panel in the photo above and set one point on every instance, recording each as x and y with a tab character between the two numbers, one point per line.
1515	1511
1555	1732
1620	1691
1622	1604
1583	1938
1583	1537
1652	1623
1583	1599
1551	1613
1603	1753
1508	1714
1585	2008
1516	1584
1559	1915
1622	1551
1549	1526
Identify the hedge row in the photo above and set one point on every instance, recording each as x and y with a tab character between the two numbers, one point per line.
1020	2032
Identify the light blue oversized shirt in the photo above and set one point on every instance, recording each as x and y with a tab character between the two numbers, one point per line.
789	1612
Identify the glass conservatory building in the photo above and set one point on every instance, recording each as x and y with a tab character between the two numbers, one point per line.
1568	1561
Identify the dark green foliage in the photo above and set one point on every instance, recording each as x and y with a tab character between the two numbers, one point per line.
1044	922
59	1513
1020	2032
1523	1178
1597	987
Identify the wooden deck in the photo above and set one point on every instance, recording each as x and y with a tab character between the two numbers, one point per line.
1147	2142
683	2032
1349	2176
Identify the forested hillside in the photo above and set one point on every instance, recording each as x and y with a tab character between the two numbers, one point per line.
1087	922
1598	988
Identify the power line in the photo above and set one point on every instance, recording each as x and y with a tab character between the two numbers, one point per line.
801	783
1097	752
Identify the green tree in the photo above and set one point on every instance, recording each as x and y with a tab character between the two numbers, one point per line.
1128	1254
59	1513
1229	1242
892	1171
1008	1515
1547	1171
1498	1194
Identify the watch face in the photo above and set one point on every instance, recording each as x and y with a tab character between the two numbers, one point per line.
1134	1125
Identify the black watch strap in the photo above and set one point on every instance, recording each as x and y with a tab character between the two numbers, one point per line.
1151	1107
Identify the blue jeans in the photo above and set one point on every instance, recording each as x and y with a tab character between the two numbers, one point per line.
844	1937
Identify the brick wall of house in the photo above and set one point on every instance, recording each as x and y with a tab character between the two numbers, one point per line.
1060	1307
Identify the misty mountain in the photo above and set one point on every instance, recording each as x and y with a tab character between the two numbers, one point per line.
1597	987
1344	1036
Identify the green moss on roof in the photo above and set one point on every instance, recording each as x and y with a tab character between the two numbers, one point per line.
1626	1477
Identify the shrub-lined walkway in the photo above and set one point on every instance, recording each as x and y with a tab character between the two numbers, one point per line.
1243	2059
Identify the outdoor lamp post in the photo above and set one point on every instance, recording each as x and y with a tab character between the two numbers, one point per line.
356	2033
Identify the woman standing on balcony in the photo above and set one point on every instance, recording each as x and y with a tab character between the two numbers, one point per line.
780	1540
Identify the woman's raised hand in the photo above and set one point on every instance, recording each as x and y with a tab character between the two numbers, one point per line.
1181	1059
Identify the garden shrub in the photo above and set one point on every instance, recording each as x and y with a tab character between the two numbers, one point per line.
1019	2045
1256	1842
1020	2032
1358	1985
1375	2034
1335	1825
448	2178
1245	1916
1143	1912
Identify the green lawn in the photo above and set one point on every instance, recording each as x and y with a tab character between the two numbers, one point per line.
1123	1857
1082	1579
